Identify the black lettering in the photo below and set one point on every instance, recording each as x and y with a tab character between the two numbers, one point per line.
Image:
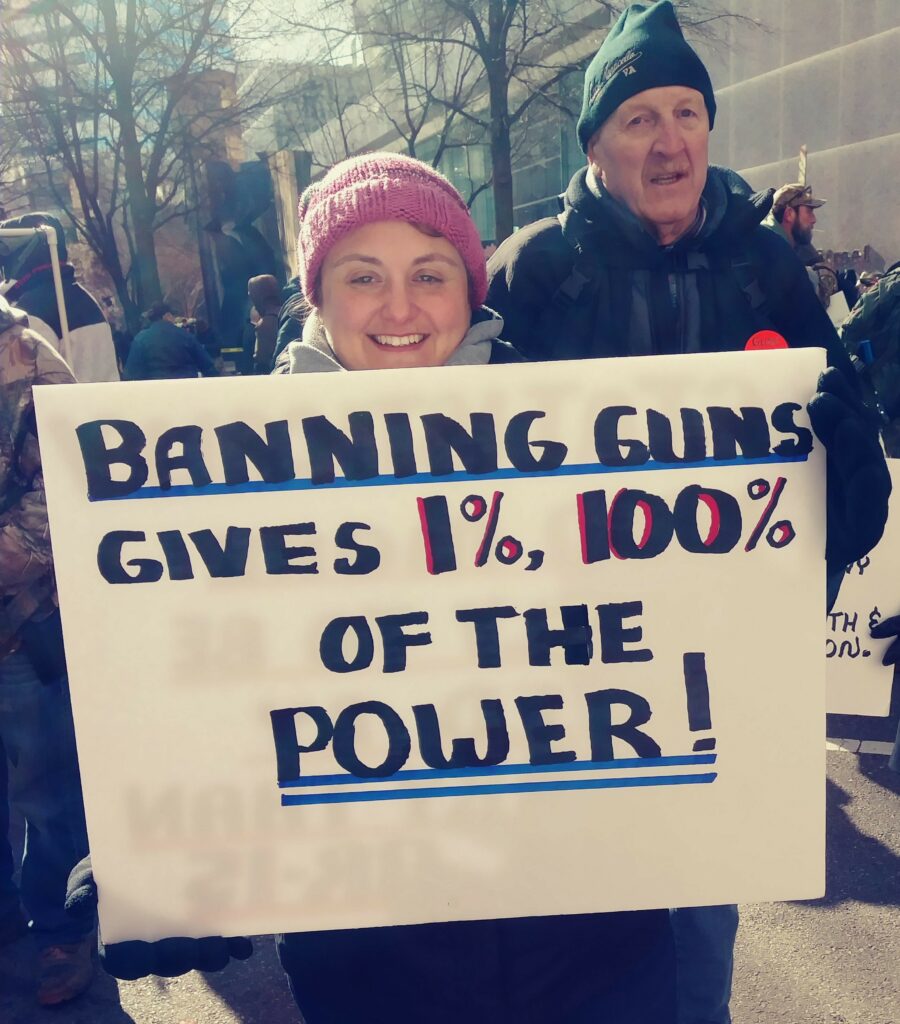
190	459
344	744
519	447
357	455
240	445
614	634
367	559
477	451
538	733
725	520
98	459
279	557
748	431
462	749
693	432
657	530
109	559
403	453
178	560
602	730
288	748
395	641
783	422
331	644
487	635
612	451
575	637
226	560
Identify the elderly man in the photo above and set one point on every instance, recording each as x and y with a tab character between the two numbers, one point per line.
657	252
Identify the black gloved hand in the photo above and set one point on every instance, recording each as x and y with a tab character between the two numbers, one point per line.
888	628
81	891
167	958
859	483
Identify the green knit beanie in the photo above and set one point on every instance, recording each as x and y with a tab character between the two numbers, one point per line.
645	49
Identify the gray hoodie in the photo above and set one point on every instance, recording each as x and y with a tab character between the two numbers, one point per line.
314	354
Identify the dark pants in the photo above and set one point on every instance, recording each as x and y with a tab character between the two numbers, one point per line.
580	969
704	945
39	777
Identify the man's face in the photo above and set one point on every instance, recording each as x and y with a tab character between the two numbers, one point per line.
652	155
802	221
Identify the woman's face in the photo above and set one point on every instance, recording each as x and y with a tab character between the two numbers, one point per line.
392	296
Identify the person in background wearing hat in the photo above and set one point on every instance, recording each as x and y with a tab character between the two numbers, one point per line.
29	286
793	216
657	252
793	207
164	351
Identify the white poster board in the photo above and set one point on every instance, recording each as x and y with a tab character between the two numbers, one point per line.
857	682
626	671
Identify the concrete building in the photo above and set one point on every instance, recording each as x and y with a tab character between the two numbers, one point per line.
824	74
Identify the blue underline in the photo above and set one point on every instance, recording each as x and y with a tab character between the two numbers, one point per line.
296	799
344	779
386	480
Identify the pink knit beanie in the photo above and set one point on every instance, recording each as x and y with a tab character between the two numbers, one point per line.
385	186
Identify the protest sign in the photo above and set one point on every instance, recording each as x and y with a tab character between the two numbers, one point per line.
361	649
857	682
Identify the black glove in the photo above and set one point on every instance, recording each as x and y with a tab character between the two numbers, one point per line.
884	629
859	483
167	958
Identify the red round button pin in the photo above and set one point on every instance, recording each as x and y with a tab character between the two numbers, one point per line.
765	339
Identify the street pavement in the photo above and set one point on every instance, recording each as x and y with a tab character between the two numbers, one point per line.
829	961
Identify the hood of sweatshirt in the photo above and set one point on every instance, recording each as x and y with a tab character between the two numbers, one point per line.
314	354
729	209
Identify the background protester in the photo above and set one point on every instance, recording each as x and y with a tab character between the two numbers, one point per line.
291	317
207	338
393	268
656	252
29	286
38	764
872	335
849	285
164	351
265	294
867	279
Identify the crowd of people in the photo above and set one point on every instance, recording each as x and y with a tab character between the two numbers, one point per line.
654	252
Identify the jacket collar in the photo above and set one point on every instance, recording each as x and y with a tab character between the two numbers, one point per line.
314	352
730	210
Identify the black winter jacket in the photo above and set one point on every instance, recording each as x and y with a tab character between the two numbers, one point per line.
594	282
163	351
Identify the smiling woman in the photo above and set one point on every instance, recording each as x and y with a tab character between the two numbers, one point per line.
393	295
394	269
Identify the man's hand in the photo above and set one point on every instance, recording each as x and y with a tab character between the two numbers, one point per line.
167	958
859	483
882	631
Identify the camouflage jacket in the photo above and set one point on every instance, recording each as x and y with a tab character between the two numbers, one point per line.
27	586
876	318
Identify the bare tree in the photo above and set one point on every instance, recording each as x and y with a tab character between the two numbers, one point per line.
454	72
107	98
446	72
